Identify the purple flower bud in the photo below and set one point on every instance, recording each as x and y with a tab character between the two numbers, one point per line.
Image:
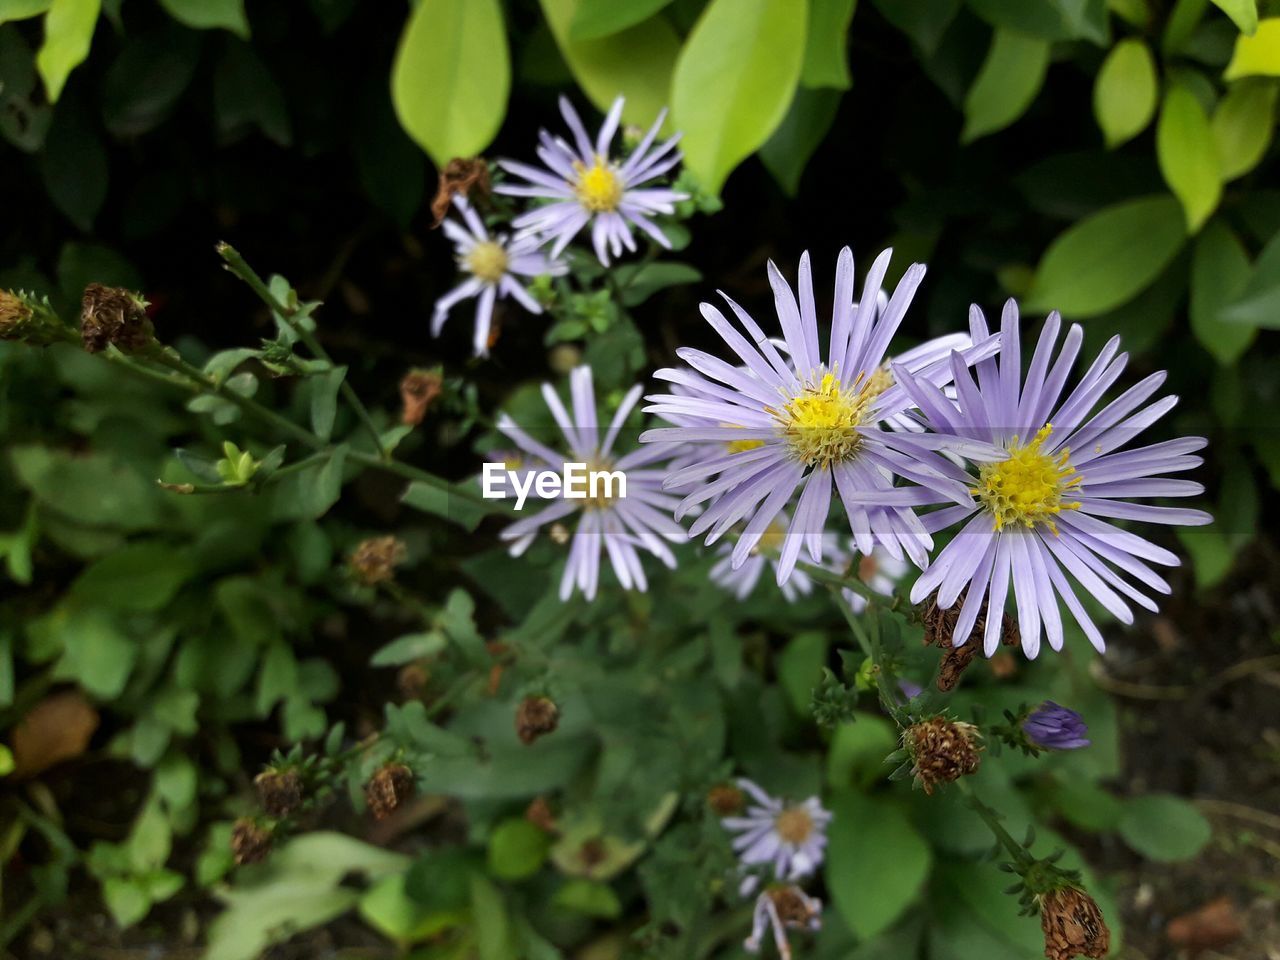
910	690
1054	727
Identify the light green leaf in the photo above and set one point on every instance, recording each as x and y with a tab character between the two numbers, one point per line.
1257	55
96	653
1180	24
594	19
22	9
857	751
636	63
517	849
451	76
1243	12
413	646
1124	95
126	898
590	898
787	153
492	923
876	862
68	32
1243	124
1008	82
1219	273
1109	257
457	503
826	52
278	678
390	910
1187	155
734	81
800	668
324	401
140	577
1163	827
210	15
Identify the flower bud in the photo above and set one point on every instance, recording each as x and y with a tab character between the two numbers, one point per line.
418	390
941	751
113	316
250	841
1054	727
26	319
279	791
374	560
1073	925
536	717
388	789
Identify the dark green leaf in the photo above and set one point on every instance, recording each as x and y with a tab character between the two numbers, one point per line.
210	15
1163	827
826	57
594	19
140	577
1219	273
787	153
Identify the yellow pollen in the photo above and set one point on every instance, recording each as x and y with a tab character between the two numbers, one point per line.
740	446
598	188
513	461
1029	487
794	825
821	423
601	500
487	261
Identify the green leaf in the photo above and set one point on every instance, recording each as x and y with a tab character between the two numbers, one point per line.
636	63
210	15
22	9
1008	82
857	751
1258	305
590	898
1257	55
594	19
68	32
1180	24
1109	257
800	668
492	926
246	95
876	862
391	911
277	679
309	493
639	283
126	898
140	577
96	653
1033	18
145	82
324	400
413	646
1243	12
826	55
924	21
1187	155
1164	828
457	503
787	153
1243	124
734	81
451	76
74	165
517	849
1124	95
1220	271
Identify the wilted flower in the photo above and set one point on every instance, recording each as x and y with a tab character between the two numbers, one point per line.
941	751
497	266
113	316
375	560
1048	472
1053	727
791	837
621	526
589	186
781	908
459	178
250	841
279	791
1073	925
536	717
811	425
388	789
418	390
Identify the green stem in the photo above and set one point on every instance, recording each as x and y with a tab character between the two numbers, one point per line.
1017	851
833	579
237	265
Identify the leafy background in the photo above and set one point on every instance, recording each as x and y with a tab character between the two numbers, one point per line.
1112	160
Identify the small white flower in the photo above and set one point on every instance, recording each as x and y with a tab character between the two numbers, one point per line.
790	837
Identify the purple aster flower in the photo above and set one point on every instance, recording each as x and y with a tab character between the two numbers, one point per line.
586	184
619	526
789	837
778	909
1050	474
497	266
742	579
1054	727
812	426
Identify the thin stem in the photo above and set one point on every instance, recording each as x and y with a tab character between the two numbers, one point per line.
1015	850
833	579
237	265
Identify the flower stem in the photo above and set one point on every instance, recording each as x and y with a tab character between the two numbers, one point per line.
1021	856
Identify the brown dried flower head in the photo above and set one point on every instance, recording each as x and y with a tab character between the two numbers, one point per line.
536	717
939	631
539	813
1073	925
15	312
250	841
726	800
279	791
418	390
460	176
388	789
941	750
375	560
794	908
113	316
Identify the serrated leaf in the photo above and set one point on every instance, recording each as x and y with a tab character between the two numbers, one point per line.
68	32
210	15
1187	155
1220	271
826	54
1257	55
1008	82
1108	258
1243	124
451	76
734	81
1244	13
1125	93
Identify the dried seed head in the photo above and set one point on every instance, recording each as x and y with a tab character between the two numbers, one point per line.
418	390
113	316
250	841
388	789
15	314
939	631
539	814
726	800
374	560
460	176
794	908
29	319
279	791
941	751
536	717
1073	925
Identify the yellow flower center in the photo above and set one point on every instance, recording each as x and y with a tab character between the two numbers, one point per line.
741	446
1029	487
821	423
771	540
487	261
606	490
794	825
599	188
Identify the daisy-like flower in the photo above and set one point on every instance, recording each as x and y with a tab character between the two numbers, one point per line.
741	580
790	837
780	908
879	571
497	266
1050	474
619	526
587	184
810	424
